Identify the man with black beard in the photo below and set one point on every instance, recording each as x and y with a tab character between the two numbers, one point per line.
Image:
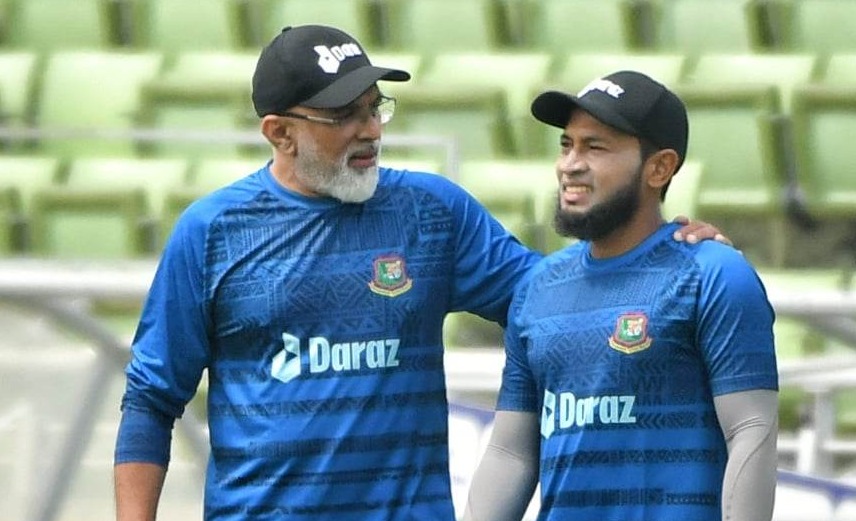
603	218
640	379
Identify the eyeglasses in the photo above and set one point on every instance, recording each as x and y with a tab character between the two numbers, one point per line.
382	109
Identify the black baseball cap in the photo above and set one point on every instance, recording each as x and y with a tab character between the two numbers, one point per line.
315	66
628	101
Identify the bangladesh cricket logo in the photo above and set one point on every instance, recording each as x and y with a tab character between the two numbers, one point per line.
390	276
631	333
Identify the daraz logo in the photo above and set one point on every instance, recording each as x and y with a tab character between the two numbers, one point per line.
329	58
333	357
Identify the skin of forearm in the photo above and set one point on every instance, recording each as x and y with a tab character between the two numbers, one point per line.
138	489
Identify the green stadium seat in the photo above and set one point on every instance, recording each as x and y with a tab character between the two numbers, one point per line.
734	133
28	174
195	69
359	18
477	120
824	109
17	83
702	26
431	27
49	25
814	26
24	175
785	71
516	73
10	210
204	93
172	26
839	69
824	123
741	132
535	178
561	27
93	92
208	175
682	195
85	224
576	70
155	177
520	193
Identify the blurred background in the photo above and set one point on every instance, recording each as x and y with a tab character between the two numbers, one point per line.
116	114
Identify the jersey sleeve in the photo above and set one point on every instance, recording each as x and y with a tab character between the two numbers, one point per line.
518	391
171	346
489	261
735	323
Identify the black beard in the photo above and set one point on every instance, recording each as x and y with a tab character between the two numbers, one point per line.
602	219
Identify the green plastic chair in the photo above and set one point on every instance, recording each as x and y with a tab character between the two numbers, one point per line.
431	27
359	18
17	83
824	124
786	71
815	26
85	224
206	93
24	175
10	211
476	119
683	192
171	26
155	176
515	73
736	133
49	25
95	93
839	69
561	27
705	26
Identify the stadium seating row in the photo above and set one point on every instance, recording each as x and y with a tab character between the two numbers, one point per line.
101	208
431	26
53	208
771	129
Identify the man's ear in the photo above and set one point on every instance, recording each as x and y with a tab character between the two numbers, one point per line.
661	167
278	132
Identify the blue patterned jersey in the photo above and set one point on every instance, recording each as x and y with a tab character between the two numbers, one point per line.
621	358
320	326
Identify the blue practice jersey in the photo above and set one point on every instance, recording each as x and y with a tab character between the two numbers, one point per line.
621	358
320	326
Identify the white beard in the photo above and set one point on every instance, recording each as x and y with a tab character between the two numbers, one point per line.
349	185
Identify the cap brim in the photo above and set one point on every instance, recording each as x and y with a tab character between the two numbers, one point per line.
554	108
350	86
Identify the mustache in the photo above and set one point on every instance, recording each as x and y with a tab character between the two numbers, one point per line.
368	149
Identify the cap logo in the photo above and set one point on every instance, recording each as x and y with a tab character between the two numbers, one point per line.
329	58
602	85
